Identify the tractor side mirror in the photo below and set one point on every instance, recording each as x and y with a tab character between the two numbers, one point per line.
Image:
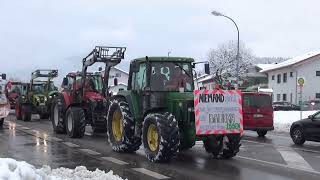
4	76
65	82
134	67
207	68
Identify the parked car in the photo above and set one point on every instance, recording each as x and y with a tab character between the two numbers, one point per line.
257	112
311	105
285	106
306	129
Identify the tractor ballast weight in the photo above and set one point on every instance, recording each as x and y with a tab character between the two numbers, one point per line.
157	111
83	98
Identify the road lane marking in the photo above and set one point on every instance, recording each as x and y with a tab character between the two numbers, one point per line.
89	151
71	144
293	159
277	164
25	128
151	173
296	148
114	160
54	139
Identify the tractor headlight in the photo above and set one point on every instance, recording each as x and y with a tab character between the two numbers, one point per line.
38	99
45	99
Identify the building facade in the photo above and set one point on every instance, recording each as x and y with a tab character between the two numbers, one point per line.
282	78
120	76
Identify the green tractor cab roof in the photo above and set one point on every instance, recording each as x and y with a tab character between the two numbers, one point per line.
163	59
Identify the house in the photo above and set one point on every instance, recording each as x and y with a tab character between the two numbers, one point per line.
282	78
253	79
119	75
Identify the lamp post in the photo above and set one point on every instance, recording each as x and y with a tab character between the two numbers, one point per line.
215	13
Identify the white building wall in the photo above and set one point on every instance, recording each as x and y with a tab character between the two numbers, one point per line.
306	70
119	74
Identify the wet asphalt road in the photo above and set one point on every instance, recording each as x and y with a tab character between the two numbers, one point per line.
273	157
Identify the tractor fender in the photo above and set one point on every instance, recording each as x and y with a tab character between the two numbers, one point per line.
67	99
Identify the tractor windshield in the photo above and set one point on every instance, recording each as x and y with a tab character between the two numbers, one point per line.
38	88
94	83
51	86
171	76
15	88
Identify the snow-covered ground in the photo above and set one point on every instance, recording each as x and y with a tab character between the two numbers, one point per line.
11	169
284	119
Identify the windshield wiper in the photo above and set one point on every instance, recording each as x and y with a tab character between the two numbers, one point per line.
182	69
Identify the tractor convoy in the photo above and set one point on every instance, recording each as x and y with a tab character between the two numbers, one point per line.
157	110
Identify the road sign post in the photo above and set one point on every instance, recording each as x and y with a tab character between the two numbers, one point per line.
300	82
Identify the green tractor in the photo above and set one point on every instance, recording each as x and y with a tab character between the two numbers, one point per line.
157	110
38	98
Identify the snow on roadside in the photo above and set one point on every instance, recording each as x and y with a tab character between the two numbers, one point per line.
11	169
283	119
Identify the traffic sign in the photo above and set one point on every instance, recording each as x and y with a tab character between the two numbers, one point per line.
301	81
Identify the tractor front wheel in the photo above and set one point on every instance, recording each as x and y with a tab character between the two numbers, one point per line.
57	116
1	122
160	134
26	113
18	111
120	127
76	122
226	146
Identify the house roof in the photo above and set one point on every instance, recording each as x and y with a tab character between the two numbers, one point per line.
264	66
292	61
120	70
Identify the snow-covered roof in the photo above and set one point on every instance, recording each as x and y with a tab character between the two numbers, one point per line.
205	78
120	70
264	66
292	61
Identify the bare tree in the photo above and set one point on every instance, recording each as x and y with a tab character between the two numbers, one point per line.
222	61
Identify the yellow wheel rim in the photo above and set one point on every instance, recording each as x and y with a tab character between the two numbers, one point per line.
117	127
153	137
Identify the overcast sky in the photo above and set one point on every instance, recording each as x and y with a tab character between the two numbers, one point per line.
58	34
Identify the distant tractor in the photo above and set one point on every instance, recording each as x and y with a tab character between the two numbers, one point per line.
39	95
13	90
83	98
157	111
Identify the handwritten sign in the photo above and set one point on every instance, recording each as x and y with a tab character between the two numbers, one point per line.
218	111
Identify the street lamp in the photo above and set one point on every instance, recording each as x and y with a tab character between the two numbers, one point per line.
216	13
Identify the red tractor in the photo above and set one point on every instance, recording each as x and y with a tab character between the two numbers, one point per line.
83	98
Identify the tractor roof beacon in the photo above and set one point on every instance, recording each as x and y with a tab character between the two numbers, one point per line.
157	111
83	98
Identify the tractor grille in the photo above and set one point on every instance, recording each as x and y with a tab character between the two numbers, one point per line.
41	99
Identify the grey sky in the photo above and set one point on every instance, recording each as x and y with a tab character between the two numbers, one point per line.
57	34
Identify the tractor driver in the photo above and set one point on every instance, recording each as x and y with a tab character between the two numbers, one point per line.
90	85
158	79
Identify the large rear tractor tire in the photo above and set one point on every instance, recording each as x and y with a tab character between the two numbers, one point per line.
26	113
76	122
160	134
58	116
121	127
223	146
18	111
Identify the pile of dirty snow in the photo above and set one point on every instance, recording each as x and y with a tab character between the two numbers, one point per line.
283	119
11	169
